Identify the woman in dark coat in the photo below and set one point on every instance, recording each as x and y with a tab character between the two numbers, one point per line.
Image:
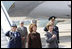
51	37
34	40
15	38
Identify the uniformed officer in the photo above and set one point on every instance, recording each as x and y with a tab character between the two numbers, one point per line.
15	37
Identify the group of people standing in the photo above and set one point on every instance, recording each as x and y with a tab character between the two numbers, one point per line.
19	35
52	33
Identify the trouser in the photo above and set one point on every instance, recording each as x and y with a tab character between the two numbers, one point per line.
23	42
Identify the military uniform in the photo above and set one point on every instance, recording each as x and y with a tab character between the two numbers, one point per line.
15	39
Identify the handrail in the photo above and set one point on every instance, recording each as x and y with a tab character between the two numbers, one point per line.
6	14
7	19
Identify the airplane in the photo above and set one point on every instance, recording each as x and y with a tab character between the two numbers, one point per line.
41	9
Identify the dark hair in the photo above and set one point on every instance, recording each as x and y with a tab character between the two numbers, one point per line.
51	17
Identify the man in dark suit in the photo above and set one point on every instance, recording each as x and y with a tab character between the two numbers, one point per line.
23	31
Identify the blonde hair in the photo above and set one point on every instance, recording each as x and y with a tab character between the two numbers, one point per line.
31	27
49	24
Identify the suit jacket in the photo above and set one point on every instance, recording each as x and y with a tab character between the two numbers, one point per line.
53	43
23	31
56	30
